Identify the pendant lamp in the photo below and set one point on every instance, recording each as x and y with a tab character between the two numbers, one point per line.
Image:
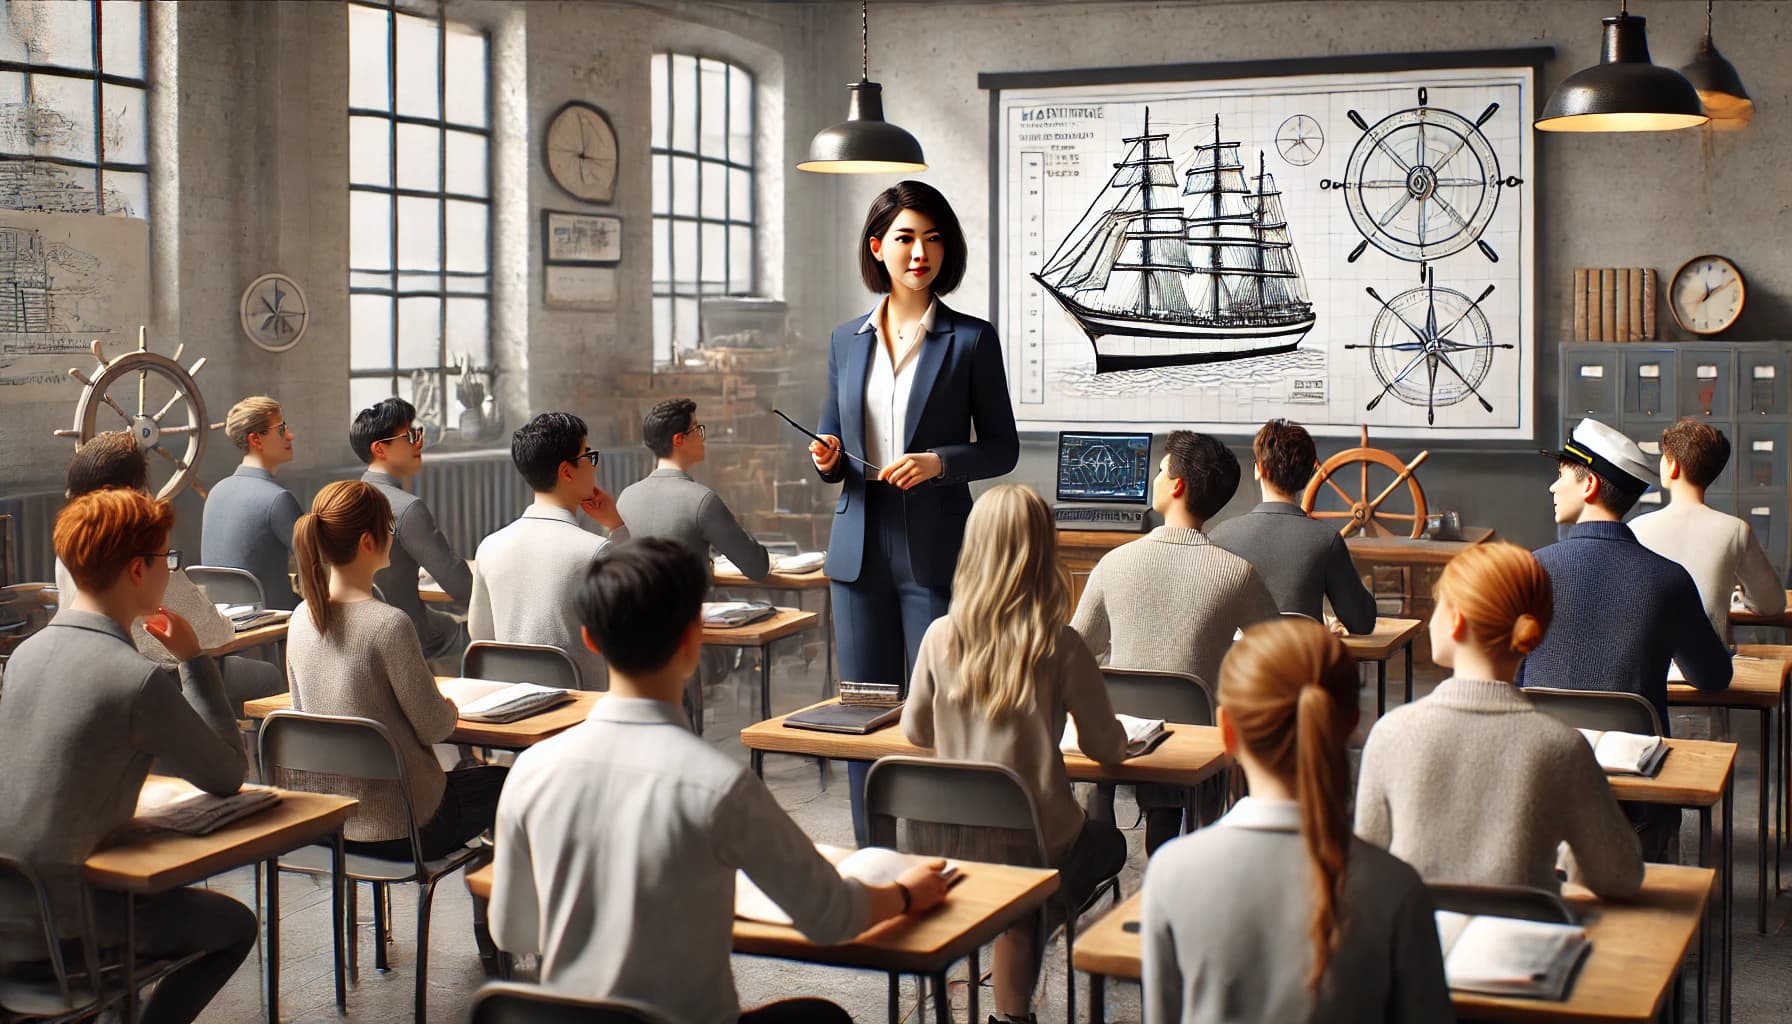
1624	92
864	143
1719	86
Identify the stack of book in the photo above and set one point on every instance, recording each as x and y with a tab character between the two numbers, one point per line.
1614	304
499	703
1626	753
736	613
247	616
173	805
884	695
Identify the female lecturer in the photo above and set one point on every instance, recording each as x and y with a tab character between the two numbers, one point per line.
907	385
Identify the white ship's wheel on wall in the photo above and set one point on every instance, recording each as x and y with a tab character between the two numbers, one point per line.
1431	347
157	387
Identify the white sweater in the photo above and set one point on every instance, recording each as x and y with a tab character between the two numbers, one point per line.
1718	551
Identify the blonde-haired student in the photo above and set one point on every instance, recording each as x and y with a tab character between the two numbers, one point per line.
994	681
1423	791
1274	913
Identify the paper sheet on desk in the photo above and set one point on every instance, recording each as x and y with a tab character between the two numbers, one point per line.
873	865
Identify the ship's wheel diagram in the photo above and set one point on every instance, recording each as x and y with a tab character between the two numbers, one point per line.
1431	347
158	385
1299	140
1423	183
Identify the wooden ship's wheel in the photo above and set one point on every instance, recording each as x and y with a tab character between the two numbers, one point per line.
1374	510
154	382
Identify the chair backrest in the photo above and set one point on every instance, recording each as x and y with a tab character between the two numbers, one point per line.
1596	709
303	751
23	881
520	663
1520	901
943	792
1171	696
511	1003
225	585
1299	615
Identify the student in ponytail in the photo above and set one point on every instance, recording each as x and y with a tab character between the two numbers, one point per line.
1424	790
347	516
1280	873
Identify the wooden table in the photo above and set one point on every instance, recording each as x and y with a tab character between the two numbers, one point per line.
1390	635
517	735
762	634
1191	755
798	583
260	636
1744	617
984	903
1414	551
145	863
1638	948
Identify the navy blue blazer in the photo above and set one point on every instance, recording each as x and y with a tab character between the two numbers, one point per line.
959	382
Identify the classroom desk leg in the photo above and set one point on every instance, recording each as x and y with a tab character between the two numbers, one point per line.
1766	778
895	996
1381	688
338	867
942	1000
970	996
1098	1010
757	758
827	648
1409	671
1705	860
765	681
130	959
272	867
1729	938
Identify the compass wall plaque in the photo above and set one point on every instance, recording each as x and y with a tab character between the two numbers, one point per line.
274	312
580	152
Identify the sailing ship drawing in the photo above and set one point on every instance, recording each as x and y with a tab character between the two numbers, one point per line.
1155	283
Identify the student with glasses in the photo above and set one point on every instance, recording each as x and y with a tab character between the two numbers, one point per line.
670	503
386	437
248	516
84	717
528	573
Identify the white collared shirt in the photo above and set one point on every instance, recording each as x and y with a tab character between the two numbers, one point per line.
525	577
1263	814
888	385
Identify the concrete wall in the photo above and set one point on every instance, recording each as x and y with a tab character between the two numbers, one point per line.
1653	200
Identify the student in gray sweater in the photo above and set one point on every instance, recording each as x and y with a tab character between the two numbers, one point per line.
669	503
83	718
1423	791
248	515
1275	913
386	437
526	575
1304	561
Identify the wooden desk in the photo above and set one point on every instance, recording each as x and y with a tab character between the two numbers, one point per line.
1079	550
1743	617
798	583
260	636
517	735
989	899
787	622
145	863
1191	755
1411	551
1638	947
1390	635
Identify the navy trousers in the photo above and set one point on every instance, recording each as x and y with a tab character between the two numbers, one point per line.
880	617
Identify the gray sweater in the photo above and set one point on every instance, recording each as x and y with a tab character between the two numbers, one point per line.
248	525
1225	931
668	503
1474	785
1302	560
417	541
83	717
525	581
1170	602
370	666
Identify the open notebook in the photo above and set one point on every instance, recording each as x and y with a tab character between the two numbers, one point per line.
1142	734
1626	753
247	616
175	805
873	865
489	700
1504	956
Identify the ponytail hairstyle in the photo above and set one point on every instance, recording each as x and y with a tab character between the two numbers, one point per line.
329	534
1289	689
1010	600
1503	594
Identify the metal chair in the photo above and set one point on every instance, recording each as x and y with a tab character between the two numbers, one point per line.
25	608
977	795
225	585
58	993
509	1003
1171	696
1521	901
520	663
1596	709
359	749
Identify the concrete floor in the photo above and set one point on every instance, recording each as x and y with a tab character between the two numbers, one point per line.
1761	962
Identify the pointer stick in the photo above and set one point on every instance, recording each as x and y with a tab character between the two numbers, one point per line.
780	414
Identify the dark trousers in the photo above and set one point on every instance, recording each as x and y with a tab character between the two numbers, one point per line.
796	1011
469	806
178	923
880	617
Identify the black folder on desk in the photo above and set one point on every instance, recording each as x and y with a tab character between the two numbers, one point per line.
857	719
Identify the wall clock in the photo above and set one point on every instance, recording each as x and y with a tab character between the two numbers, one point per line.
1706	294
274	312
581	152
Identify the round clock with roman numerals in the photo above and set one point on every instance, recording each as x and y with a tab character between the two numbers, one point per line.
1706	294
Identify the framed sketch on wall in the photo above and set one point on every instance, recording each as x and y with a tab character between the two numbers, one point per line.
1339	240
580	238
579	287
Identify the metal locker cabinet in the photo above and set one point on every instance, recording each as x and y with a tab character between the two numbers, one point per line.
1591	385
1763	391
1705	382
1758	460
1649	378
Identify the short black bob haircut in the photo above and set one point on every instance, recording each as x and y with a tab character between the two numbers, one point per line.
377	422
637	599
541	446
666	420
926	200
1209	469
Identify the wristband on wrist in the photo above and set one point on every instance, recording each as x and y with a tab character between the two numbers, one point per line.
907	899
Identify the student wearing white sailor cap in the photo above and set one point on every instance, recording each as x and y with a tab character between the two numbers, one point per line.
1622	612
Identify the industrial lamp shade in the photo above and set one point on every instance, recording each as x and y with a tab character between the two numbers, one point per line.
1624	92
864	143
1719	87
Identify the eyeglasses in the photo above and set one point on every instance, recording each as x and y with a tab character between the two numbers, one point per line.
591	455
697	428
278	428
171	556
413	435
